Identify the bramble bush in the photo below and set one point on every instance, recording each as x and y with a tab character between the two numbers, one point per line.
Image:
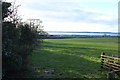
18	42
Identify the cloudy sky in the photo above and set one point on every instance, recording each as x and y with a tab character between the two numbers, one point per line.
72	15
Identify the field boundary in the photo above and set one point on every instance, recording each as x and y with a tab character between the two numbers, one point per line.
112	63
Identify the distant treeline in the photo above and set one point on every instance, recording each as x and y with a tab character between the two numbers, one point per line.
82	32
73	36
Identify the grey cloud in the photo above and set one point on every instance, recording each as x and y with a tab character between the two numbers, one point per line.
69	8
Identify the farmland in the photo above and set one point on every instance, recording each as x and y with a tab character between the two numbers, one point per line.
73	58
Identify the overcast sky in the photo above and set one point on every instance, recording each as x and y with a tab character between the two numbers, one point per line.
72	15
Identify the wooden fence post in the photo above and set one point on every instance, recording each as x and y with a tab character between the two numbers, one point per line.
102	60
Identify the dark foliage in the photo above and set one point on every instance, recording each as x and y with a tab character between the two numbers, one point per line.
5	11
18	42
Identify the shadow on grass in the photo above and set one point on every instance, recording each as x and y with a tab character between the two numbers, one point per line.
69	60
76	46
66	65
78	49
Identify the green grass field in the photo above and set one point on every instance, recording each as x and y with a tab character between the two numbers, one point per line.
73	58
